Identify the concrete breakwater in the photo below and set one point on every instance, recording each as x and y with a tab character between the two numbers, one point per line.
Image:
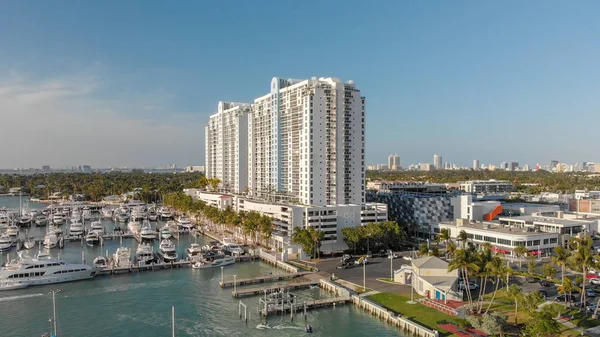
412	328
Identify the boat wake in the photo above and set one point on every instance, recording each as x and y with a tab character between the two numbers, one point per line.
14	298
120	288
290	327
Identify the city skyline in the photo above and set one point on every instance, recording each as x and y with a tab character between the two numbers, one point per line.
137	92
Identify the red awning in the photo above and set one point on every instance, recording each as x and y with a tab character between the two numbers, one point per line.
535	252
499	250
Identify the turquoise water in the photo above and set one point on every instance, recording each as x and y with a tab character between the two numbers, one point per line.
139	304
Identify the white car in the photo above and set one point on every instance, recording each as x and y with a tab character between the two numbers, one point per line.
472	286
595	281
407	258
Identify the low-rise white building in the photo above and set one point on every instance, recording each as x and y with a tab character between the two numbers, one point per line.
429	276
486	186
330	219
503	238
566	228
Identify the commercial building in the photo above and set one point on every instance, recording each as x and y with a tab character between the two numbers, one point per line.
226	146
437	162
306	142
486	186
565	228
406	186
430	278
330	219
194	168
503	238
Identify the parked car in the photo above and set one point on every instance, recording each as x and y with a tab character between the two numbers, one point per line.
407	258
545	283
543	292
531	279
472	285
570	298
392	256
595	281
590	293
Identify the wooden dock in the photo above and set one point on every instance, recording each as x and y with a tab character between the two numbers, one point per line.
260	290
261	279
137	268
275	308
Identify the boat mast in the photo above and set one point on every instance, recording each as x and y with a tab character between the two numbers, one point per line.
54	310
173	319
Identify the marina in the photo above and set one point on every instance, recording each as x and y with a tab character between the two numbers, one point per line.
118	293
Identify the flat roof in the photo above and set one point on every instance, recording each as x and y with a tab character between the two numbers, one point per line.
545	220
496	228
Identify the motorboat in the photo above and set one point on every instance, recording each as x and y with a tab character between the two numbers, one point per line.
97	228
212	260
165	232
24	220
165	213
121	214
58	218
134	226
12	231
100	262
76	227
173	226
233	248
4	220
12	285
137	214
6	242
54	229
185	222
144	254
86	214
35	271
107	213
41	220
29	242
50	240
75	214
147	233
193	251
122	257
92	239
152	215
168	251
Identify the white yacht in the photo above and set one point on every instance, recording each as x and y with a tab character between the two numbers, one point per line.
76	227
24	220
33	271
213	260
147	233
41	220
50	240
185	222
6	242
4	220
165	232
152	215
12	231
144	254
29	242
107	213
165	213
100	262
54	229
86	214
58	218
168	251
193	251
134	226
233	248
92	239
138	214
75	214
122	257
121	214
97	228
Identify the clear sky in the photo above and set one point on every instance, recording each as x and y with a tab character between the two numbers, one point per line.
112	83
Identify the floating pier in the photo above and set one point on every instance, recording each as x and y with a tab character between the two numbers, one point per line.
261	279
284	305
260	290
137	268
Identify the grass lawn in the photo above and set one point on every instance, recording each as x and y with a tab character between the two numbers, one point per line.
418	312
386	279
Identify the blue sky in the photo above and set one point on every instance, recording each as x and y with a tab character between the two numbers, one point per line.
132	82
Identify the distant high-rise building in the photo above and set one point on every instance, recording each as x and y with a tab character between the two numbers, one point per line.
396	163
513	166
526	167
46	168
447	166
425	167
504	165
553	164
475	164
437	161
391	161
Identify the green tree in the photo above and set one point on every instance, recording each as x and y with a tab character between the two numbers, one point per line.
521	251
549	270
566	288
541	324
463	237
560	259
423	250
515	293
465	262
584	258
496	268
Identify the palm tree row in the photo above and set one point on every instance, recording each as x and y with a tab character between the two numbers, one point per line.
251	224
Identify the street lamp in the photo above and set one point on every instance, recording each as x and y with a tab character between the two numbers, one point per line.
222	279
368	248
364	275
391	265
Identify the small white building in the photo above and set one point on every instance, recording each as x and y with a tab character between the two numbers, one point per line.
486	186
431	278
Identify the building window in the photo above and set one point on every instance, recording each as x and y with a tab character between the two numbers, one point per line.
504	242
553	240
545	241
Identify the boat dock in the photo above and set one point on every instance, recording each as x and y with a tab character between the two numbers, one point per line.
271	307
260	279
137	268
259	290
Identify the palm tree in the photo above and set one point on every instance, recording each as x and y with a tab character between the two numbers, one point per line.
566	287
423	250
520	251
451	249
560	259
444	236
583	257
495	267
482	259
463	237
465	262
516	294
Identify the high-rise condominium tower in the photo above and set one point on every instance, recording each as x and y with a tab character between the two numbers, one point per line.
437	162
306	142
394	162
475	164
226	146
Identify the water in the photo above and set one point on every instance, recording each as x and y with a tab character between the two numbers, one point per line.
139	304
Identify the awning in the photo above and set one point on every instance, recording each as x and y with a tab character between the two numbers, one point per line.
535	252
499	250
